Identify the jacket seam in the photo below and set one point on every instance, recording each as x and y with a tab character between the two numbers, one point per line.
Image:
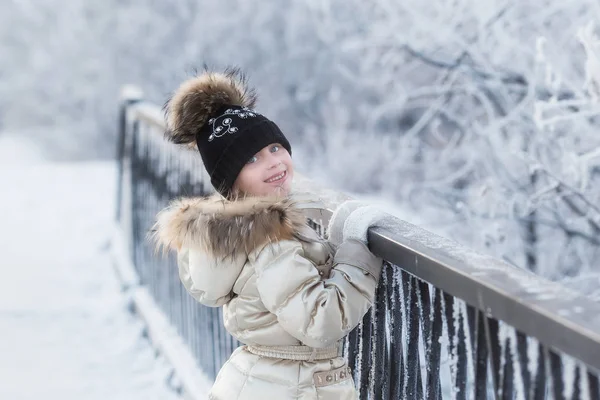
247	377
241	290
298	384
246	373
363	268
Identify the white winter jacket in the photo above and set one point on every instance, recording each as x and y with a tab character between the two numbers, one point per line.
288	295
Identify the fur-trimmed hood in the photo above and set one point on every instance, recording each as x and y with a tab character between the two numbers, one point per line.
225	228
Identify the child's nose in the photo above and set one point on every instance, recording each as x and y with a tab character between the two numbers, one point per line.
273	162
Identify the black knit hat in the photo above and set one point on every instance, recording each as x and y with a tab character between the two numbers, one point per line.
215	113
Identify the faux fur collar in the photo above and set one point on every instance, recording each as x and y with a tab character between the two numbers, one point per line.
224	228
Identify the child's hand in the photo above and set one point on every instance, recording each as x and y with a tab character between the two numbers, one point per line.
338	219
360	220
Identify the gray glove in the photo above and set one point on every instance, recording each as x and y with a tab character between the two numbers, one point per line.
361	219
338	219
352	220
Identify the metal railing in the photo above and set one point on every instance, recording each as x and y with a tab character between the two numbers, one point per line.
447	322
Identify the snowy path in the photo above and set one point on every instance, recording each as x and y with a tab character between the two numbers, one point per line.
65	332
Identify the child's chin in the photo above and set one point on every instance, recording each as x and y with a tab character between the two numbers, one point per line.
281	190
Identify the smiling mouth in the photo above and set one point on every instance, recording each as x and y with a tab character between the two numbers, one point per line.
276	178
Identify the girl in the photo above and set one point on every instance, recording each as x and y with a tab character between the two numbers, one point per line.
287	294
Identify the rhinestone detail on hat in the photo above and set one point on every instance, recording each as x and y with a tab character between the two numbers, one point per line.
222	124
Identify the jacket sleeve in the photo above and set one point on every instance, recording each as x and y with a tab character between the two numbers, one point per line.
210	281
317	311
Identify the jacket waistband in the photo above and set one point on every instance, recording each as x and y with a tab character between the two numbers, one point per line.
297	353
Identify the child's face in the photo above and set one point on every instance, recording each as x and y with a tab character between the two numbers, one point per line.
269	172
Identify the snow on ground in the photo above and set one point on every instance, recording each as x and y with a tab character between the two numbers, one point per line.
15	149
65	331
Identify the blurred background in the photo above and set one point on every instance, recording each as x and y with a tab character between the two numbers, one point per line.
478	120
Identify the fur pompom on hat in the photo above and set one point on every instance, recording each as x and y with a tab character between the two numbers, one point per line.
214	112
199	98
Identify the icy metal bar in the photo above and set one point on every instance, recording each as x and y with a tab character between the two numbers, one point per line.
556	316
507	374
381	376
396	350
433	387
556	372
481	357
593	386
523	360
541	369
365	346
412	388
456	347
431	331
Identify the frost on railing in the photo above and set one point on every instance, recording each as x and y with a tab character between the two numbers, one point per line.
447	322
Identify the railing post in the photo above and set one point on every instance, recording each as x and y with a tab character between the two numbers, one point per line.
129	95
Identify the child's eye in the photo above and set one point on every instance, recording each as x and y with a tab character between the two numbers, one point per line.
252	160
274	149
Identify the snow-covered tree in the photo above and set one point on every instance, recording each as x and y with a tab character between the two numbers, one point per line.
477	116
